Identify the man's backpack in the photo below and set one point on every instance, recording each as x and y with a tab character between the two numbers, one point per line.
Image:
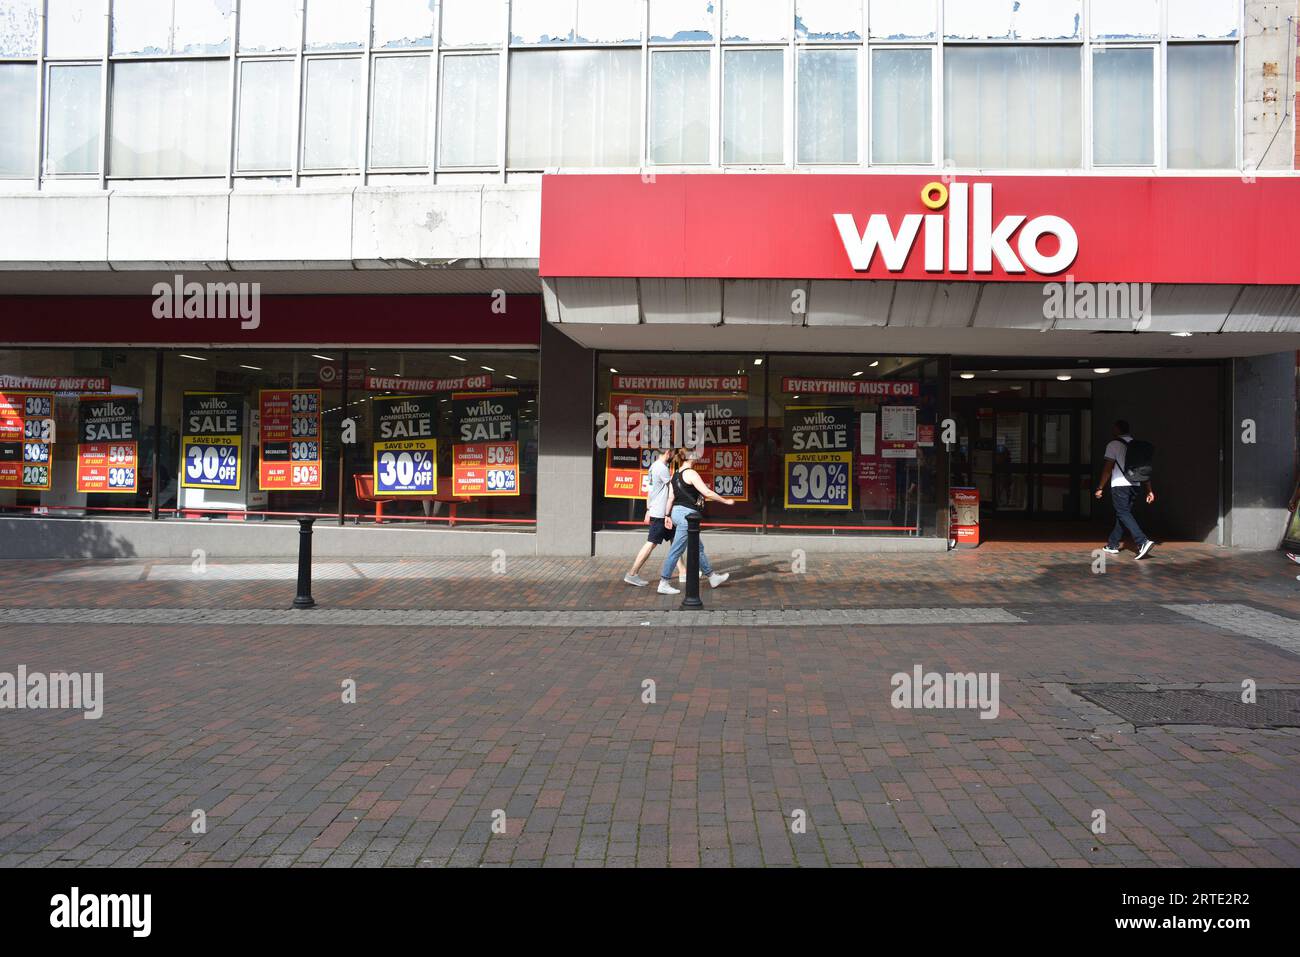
1137	460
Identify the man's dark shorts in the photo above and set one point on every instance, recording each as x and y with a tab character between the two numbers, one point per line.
658	534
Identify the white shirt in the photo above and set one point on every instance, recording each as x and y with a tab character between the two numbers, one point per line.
1117	450
657	499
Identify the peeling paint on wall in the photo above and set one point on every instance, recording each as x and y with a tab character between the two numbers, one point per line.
903	19
828	20
680	21
1013	19
1203	19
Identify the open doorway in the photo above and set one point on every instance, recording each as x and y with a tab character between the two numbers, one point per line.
1031	440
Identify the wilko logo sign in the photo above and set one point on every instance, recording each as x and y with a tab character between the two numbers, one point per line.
884	388
376	383
968	226
681	383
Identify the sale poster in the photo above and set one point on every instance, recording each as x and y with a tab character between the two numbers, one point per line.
818	480
27	435
721	418
108	436
485	455
212	435
406	447
725	469
291	450
627	472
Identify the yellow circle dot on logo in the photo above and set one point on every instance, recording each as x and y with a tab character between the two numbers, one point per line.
934	195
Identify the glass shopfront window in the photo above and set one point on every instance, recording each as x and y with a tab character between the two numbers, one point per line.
439	439
804	443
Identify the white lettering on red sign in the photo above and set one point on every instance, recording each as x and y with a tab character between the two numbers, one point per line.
987	239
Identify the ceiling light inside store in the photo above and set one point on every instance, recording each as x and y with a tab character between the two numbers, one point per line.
457	358
326	358
874	363
488	368
1102	370
195	358
858	373
758	362
509	376
1064	378
254	368
968	375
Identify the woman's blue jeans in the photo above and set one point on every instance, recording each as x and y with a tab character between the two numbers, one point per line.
680	512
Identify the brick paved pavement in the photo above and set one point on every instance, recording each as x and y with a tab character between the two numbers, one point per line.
751	723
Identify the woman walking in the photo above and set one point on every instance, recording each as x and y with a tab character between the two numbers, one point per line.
687	496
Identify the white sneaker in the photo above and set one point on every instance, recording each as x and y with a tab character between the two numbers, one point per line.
1142	552
717	578
667	589
1109	551
636	580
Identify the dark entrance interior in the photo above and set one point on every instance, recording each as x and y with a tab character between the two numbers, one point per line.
1031	436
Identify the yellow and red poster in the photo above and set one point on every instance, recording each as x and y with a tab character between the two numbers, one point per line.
485	455
108	449
26	439
291	439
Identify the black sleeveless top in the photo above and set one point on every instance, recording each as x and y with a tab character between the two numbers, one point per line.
684	493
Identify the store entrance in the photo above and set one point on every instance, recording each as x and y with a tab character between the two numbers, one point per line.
1024	441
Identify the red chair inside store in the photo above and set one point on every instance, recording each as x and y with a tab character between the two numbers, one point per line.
365	486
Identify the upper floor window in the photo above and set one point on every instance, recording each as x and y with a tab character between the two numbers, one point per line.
1202	92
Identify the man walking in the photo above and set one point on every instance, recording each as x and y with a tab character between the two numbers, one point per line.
1123	491
655	510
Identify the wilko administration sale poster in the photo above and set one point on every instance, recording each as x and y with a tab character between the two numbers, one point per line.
818	457
406	446
291	440
26	439
485	455
211	438
108	436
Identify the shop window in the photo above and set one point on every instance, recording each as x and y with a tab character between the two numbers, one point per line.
441	440
679	106
446	440
17	119
753	107
1201	90
901	114
828	106
331	114
72	124
169	118
470	97
267	107
574	108
1012	107
805	444
1123	106
75	28
399	112
269	26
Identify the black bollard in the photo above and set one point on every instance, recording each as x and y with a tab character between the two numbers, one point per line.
691	599
303	599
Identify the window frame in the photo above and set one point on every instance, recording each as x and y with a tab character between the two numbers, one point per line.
1157	105
787	106
430	114
45	172
698	46
483	51
936	106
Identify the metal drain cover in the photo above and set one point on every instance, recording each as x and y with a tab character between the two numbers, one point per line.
1273	708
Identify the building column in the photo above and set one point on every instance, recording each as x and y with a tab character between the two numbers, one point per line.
1263	472
565	440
